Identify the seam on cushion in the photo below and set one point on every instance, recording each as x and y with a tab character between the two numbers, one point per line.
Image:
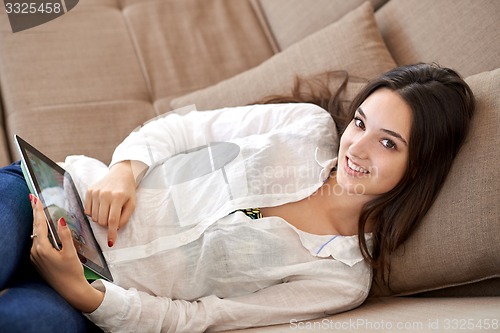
450	285
77	104
263	20
4	142
139	58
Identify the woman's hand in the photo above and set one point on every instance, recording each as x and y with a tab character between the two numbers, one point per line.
61	269
111	201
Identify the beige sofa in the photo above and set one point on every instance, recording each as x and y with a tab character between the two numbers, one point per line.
80	83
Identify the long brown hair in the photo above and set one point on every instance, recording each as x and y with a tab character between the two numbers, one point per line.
325	90
442	105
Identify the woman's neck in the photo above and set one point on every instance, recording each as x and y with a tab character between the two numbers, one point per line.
328	211
338	208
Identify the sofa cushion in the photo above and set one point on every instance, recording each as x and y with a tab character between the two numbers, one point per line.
278	14
53	75
77	58
92	129
457	242
352	43
190	44
462	35
402	314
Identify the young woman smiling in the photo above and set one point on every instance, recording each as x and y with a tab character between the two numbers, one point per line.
204	227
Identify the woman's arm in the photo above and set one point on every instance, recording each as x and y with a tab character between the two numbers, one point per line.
111	201
171	134
299	298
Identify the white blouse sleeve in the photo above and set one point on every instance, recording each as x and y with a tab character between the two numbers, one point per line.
299	298
173	133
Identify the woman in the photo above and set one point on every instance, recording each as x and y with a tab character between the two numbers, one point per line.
188	255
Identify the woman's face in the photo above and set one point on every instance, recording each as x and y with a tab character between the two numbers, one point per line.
373	154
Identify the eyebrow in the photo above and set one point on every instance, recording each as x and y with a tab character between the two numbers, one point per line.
392	133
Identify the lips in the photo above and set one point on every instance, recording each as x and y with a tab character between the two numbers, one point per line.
354	169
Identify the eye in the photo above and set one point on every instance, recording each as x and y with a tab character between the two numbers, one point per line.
388	143
359	123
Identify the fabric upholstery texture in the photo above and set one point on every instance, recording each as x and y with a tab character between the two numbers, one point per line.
64	71
88	64
98	125
178	40
403	314
460	32
87	68
352	44
324	12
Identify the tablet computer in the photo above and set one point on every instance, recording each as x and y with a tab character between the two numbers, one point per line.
55	188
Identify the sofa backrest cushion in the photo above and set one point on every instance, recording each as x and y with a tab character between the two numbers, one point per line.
461	34
191	44
353	44
289	20
78	76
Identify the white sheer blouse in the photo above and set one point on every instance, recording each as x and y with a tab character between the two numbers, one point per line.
186	262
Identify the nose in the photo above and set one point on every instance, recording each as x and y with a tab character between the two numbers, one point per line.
359	147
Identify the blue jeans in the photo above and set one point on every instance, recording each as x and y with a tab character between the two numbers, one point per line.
27	303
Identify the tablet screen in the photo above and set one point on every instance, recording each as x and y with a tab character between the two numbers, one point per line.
55	188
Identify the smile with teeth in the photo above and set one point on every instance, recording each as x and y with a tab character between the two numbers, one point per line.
355	167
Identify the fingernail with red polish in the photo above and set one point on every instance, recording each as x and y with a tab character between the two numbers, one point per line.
33	199
62	221
110	243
